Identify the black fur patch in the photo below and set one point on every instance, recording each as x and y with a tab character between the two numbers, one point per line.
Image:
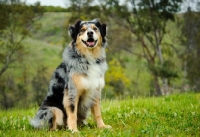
74	30
102	28
50	122
72	107
63	66
43	115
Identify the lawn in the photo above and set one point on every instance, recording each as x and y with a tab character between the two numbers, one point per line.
175	115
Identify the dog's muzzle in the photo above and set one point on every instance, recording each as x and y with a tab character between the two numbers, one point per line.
91	42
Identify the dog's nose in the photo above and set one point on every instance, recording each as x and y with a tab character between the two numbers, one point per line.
89	33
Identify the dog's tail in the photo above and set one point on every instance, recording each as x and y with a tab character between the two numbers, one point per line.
43	118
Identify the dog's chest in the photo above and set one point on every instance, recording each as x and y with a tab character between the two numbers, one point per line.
89	86
94	80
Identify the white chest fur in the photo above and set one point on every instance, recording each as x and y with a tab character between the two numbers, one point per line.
95	78
89	86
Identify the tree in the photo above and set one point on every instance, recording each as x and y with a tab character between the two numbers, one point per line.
83	9
16	21
191	42
147	22
40	84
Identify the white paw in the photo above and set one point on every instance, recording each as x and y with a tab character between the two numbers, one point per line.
74	130
104	126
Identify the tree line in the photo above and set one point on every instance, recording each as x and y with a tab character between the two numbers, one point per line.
137	28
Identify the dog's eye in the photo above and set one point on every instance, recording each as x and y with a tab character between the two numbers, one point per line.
95	29
82	30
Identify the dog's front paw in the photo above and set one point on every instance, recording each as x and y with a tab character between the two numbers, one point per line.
104	126
74	130
108	126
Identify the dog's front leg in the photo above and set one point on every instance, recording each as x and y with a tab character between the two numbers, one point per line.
70	102
96	110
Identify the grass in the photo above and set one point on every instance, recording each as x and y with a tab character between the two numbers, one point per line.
175	115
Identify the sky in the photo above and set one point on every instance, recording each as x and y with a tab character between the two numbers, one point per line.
61	3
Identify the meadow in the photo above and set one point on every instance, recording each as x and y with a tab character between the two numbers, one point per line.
174	115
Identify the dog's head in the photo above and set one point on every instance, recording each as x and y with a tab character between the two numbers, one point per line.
88	34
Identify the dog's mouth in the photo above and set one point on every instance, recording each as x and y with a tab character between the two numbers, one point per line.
90	42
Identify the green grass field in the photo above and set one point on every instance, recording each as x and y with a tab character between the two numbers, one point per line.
175	115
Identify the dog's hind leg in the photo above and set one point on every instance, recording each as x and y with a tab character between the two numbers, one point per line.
57	120
48	118
43	118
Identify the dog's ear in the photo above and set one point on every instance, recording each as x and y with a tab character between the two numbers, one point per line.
73	30
104	29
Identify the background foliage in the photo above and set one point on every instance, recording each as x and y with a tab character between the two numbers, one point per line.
153	48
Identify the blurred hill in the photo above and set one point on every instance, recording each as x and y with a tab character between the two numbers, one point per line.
46	42
42	54
52	28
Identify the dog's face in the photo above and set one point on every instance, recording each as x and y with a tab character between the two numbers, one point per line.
88	34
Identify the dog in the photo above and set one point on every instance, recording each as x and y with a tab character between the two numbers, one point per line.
75	87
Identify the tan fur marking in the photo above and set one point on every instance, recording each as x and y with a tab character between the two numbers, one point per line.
58	118
84	27
71	116
93	26
78	83
65	99
54	127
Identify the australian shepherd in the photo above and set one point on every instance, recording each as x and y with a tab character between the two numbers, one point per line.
75	87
